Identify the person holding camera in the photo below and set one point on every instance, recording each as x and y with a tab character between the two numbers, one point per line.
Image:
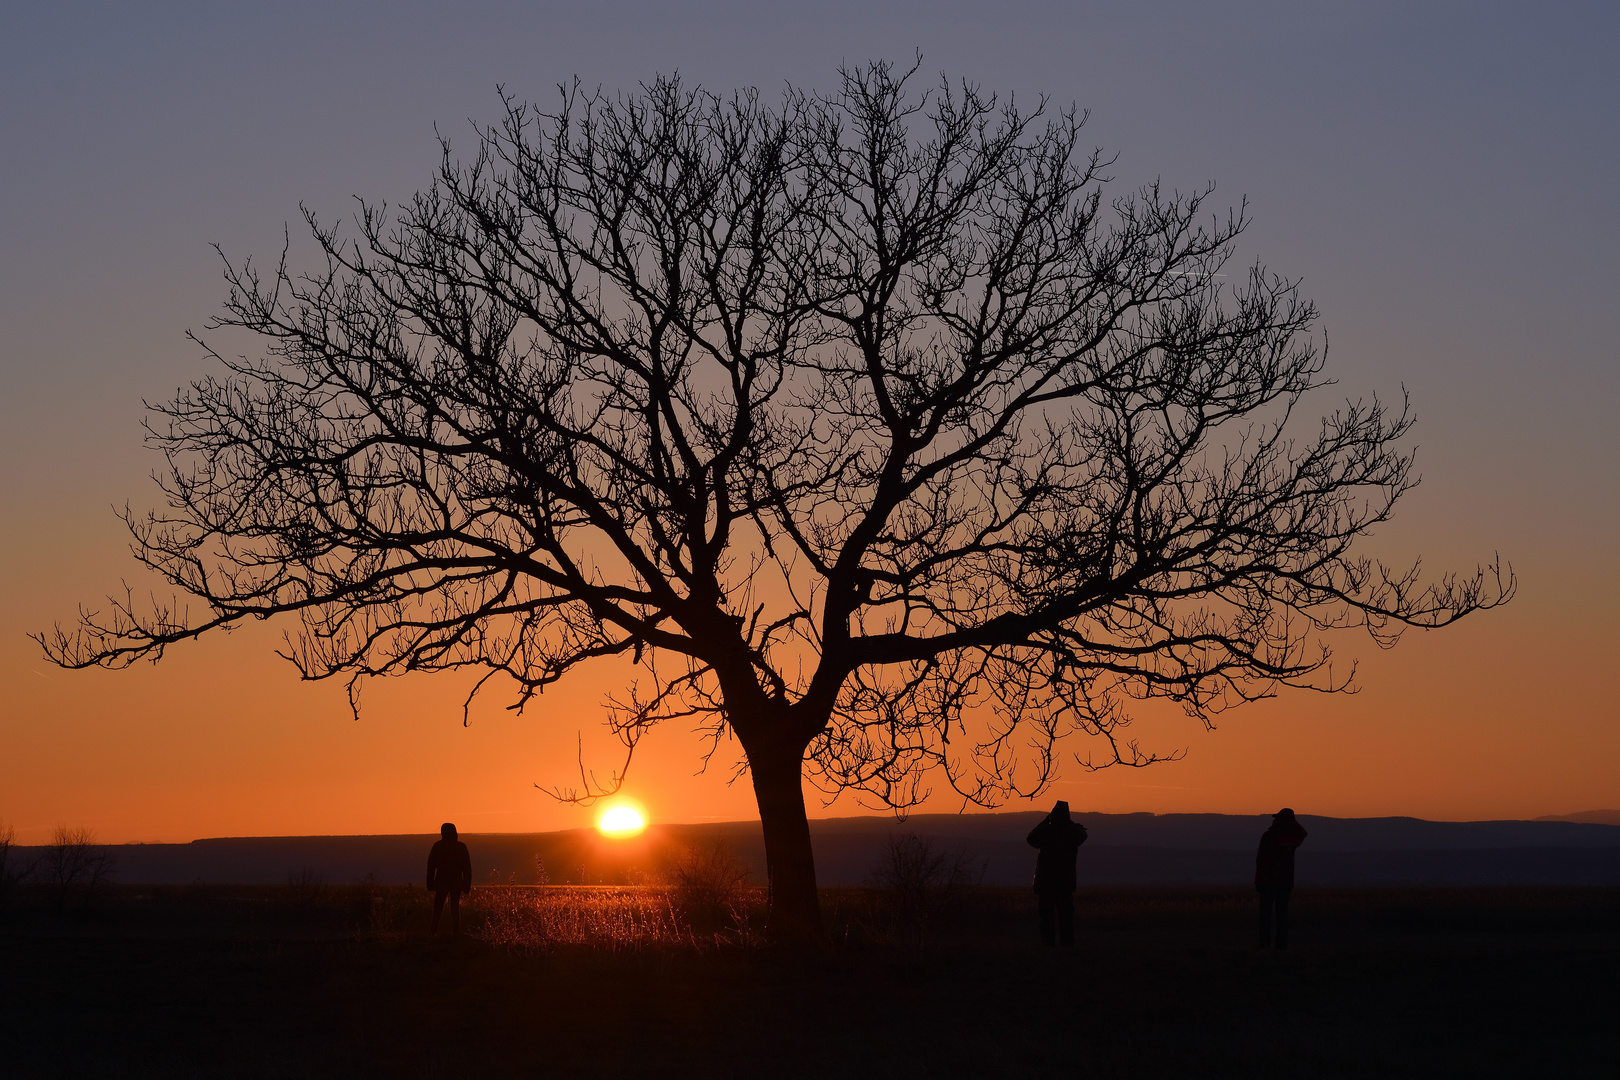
1274	874
1058	838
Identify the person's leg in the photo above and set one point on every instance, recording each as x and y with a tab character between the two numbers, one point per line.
1048	910
438	909
1065	920
1265	918
455	911
1282	917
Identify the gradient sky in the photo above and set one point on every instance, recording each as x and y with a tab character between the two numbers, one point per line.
1442	177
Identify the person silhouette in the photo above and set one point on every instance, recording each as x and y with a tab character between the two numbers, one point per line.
1274	874
449	875
1058	838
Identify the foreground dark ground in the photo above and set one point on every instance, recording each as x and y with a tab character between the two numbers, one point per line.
318	981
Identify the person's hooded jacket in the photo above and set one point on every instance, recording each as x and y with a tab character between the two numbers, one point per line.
1058	838
1274	862
449	866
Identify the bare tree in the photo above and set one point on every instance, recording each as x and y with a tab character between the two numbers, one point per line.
862	423
72	862
10	870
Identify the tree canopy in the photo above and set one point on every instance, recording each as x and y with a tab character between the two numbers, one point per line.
864	423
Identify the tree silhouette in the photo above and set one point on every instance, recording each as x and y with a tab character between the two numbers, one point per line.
73	862
862	423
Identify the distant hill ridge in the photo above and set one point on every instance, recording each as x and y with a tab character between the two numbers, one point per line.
1122	849
1591	817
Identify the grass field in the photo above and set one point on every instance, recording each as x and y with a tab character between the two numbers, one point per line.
311	980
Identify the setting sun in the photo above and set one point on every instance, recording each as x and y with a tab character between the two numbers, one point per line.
622	821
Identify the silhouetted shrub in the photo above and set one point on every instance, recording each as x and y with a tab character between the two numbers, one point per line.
306	886
914	885
707	886
363	898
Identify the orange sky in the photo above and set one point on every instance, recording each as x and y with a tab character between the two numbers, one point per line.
1504	715
1443	188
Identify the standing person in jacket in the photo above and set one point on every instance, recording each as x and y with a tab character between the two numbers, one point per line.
449	875
1058	839
1274	874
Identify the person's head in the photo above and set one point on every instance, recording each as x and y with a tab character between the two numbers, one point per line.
1285	816
1060	810
447	831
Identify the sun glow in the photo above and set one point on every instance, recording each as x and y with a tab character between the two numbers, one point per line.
621	821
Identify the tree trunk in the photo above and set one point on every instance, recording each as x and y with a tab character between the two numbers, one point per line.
795	910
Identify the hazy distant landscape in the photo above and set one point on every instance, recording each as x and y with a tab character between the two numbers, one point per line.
1122	849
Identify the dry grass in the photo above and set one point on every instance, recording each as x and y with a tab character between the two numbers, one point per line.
605	918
